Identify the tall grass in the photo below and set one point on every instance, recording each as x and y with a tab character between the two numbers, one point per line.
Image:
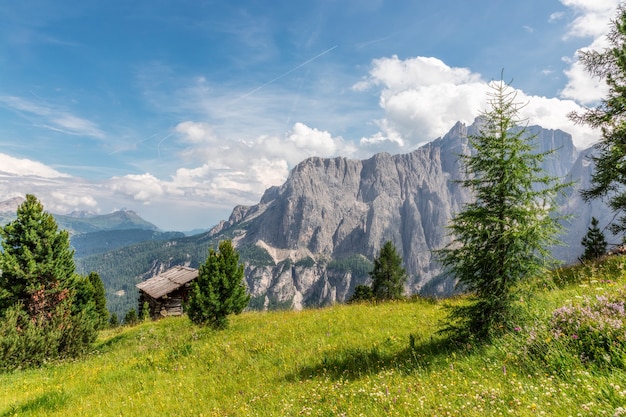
371	360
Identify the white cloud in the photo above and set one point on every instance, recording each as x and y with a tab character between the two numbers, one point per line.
26	167
50	117
143	187
238	171
423	97
556	16
592	17
592	20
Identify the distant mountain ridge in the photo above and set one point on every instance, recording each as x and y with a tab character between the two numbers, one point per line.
91	233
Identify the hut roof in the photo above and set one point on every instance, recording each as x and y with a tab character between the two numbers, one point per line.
168	281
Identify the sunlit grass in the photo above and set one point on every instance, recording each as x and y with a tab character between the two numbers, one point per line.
369	360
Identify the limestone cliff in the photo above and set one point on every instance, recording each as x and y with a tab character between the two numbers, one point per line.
322	227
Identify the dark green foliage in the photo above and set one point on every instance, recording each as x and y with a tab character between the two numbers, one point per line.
501	237
388	275
99	298
37	257
107	240
362	293
307	262
255	255
609	177
130	319
145	311
47	310
357	264
114	321
219	289
593	242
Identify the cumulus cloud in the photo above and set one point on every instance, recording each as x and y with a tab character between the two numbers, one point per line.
143	187
240	170
423	97
27	167
592	21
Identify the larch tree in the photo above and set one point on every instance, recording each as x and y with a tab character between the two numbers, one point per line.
219	289
609	177
502	236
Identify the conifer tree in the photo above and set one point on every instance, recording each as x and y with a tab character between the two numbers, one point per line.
502	236
131	318
594	242
36	258
609	177
388	275
219	289
114	321
48	308
362	293
99	298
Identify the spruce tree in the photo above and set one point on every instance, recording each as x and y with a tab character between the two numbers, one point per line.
36	258
131	318
99	298
362	293
388	275
609	177
502	236
219	289
594	242
48	308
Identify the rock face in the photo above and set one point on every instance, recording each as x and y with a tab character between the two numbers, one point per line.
330	218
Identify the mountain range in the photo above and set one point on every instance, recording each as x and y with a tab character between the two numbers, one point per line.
310	241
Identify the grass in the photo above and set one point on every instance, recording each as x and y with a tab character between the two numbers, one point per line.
345	360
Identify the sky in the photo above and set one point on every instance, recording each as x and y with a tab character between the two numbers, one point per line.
181	110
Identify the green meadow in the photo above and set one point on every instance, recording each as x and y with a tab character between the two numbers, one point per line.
346	360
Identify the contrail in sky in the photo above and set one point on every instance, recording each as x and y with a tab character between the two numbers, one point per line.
283	74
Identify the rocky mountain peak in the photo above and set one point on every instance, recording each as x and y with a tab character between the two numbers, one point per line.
336	211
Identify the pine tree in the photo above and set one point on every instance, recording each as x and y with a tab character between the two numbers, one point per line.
114	321
219	289
501	237
99	297
609	177
388	275
594	242
130	319
49	309
362	293
36	259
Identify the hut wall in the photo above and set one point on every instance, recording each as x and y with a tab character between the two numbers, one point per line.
168	305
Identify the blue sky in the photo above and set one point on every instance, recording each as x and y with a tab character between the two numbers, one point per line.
181	110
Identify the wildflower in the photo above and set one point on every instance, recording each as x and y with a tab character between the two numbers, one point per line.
517	328
574	336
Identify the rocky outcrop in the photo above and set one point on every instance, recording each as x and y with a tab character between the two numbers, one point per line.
331	216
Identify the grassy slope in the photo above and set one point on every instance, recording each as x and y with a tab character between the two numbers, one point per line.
342	360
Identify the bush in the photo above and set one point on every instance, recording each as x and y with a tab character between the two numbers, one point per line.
362	293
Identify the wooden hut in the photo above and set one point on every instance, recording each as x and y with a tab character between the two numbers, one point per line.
165	293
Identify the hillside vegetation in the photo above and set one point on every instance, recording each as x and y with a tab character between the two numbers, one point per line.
346	360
